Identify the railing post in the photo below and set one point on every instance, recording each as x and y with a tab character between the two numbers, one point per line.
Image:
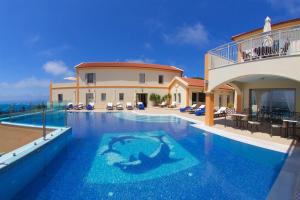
44	123
228	54
66	121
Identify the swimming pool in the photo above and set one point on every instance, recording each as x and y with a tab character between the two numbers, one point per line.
128	156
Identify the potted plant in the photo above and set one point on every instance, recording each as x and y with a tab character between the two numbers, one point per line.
155	98
167	98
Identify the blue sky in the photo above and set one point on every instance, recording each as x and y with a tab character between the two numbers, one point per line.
43	40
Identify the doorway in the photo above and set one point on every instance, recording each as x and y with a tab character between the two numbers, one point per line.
142	97
89	98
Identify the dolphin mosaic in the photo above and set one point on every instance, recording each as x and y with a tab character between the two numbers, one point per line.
142	162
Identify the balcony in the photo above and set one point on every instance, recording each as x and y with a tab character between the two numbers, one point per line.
278	43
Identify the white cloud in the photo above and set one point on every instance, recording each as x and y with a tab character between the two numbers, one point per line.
193	35
31	82
57	68
141	60
291	6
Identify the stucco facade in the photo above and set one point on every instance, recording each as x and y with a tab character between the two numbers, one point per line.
121	82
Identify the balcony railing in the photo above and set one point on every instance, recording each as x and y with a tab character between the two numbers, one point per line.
277	43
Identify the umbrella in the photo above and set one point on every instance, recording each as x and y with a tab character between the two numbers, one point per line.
70	78
268	41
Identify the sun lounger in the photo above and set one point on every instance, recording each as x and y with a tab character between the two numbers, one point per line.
90	106
192	111
109	106
70	106
129	106
173	105
163	104
200	112
141	106
119	106
221	112
187	108
79	106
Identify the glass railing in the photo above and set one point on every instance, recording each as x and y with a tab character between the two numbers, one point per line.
38	116
277	43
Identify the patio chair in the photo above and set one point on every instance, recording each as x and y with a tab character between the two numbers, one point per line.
163	104
129	106
254	125
119	106
109	106
276	126
228	112
221	112
90	106
140	106
173	105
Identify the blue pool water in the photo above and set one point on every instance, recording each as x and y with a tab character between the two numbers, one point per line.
127	156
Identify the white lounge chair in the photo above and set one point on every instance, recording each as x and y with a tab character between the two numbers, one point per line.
173	105
109	106
129	106
79	106
195	109
163	104
70	106
220	112
119	106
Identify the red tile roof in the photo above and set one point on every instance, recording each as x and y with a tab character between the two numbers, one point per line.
193	82
128	65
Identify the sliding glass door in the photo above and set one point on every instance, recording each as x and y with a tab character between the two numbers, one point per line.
273	100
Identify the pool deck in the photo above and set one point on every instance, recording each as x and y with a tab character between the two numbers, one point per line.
13	137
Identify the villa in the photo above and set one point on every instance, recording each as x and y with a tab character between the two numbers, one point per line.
103	82
53	152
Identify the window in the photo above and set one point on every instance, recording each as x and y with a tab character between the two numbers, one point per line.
201	97
142	78
103	96
220	101
121	96
174	97
179	97
228	100
161	79
194	98
90	77
60	98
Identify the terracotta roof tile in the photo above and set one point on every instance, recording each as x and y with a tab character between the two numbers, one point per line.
128	65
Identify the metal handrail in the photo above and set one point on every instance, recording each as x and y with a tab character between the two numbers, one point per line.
281	42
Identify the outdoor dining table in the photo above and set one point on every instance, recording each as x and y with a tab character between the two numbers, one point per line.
293	122
238	118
